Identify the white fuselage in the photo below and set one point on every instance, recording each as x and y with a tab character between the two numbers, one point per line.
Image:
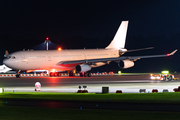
49	59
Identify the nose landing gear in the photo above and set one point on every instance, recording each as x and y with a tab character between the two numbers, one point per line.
18	75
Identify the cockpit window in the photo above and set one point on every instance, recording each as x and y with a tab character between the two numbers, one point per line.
10	57
13	57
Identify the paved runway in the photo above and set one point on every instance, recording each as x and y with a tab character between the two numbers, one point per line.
128	84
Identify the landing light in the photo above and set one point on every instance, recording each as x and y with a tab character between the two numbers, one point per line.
53	70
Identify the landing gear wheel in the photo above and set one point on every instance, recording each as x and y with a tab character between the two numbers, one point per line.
89	74
51	74
55	74
18	75
85	74
71	74
59	74
81	74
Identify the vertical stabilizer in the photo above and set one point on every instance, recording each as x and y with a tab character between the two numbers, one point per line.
119	39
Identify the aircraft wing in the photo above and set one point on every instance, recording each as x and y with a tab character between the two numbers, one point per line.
133	58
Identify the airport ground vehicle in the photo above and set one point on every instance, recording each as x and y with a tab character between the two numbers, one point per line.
177	89
164	77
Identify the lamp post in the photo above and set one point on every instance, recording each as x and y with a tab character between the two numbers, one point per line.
47	41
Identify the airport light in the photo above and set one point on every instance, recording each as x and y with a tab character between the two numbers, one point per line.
47	42
59	49
165	72
119	72
37	86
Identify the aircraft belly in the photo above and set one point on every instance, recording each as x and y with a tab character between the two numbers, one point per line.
64	67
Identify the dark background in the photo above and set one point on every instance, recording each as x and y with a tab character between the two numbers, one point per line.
75	24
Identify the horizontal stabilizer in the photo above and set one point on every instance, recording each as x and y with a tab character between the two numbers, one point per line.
140	49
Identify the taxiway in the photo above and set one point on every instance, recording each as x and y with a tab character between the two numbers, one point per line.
128	84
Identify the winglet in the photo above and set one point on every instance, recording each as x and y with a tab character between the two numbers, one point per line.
172	53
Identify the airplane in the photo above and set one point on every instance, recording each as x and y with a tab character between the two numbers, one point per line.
4	69
79	60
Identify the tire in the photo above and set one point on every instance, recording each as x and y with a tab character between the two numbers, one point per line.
81	74
85	74
51	74
59	74
18	75
55	74
71	74
89	74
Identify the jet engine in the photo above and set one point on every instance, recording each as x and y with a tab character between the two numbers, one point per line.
83	68
126	64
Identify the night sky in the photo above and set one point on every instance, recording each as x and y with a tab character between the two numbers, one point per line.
75	24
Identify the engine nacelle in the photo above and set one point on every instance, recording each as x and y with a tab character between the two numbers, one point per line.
83	68
126	64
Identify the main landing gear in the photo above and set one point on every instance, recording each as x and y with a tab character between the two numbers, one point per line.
71	73
55	74
82	74
85	74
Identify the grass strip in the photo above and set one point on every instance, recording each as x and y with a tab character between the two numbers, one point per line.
24	113
124	97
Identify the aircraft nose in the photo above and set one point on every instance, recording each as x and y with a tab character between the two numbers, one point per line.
6	62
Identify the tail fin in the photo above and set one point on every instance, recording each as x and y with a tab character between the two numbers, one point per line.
119	39
6	53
